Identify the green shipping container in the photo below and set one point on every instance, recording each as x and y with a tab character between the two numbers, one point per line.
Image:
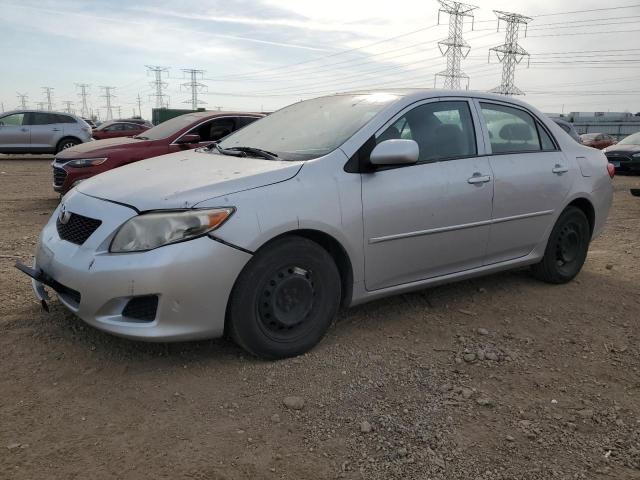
159	115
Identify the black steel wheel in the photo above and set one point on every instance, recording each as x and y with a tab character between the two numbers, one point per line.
566	249
285	299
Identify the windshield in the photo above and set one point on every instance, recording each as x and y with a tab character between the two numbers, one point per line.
312	128
171	126
631	140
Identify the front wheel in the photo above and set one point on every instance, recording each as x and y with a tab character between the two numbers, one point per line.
567	248
285	299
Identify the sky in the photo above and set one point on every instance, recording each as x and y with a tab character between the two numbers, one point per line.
260	55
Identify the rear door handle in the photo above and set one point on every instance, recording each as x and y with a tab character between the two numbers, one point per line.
24	129
559	169
55	129
479	178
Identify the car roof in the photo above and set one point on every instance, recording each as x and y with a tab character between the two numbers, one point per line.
38	111
218	113
422	93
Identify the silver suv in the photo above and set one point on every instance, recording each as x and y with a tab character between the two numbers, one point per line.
31	131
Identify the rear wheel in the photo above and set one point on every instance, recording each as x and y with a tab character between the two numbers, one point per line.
67	143
567	248
285	299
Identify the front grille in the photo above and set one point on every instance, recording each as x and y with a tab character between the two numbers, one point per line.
59	176
141	308
77	229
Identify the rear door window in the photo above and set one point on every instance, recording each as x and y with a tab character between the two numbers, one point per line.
42	118
512	130
442	130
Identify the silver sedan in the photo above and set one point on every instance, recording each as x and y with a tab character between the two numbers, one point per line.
329	202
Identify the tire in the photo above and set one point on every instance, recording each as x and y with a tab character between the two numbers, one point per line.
67	142
566	249
285	299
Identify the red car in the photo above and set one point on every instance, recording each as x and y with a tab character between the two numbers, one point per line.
192	130
597	140
119	128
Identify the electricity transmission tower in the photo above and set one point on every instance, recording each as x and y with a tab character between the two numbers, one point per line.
23	100
67	106
159	85
84	109
48	92
195	87
41	105
510	53
139	106
108	96
454	47
119	111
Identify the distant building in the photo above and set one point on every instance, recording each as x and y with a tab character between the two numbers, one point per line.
618	124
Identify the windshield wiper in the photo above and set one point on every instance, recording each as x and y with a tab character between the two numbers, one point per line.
224	151
256	151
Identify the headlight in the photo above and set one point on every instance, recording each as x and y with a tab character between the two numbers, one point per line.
636	155
86	162
153	230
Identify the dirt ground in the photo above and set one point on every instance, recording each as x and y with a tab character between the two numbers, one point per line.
497	378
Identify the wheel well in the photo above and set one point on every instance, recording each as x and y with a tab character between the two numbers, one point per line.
337	251
67	137
587	208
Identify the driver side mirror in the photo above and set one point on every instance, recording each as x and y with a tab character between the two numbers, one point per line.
187	139
395	152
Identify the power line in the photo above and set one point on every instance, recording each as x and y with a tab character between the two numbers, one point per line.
67	107
568	23
23	100
582	33
159	85
454	47
510	53
48	93
335	54
84	108
586	11
195	86
108	96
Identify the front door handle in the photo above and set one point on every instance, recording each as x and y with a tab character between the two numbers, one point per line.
24	129
55	129
559	169
479	178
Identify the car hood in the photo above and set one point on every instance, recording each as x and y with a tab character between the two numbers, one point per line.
183	179
98	147
624	148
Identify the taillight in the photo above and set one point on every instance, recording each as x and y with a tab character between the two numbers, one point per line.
611	170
